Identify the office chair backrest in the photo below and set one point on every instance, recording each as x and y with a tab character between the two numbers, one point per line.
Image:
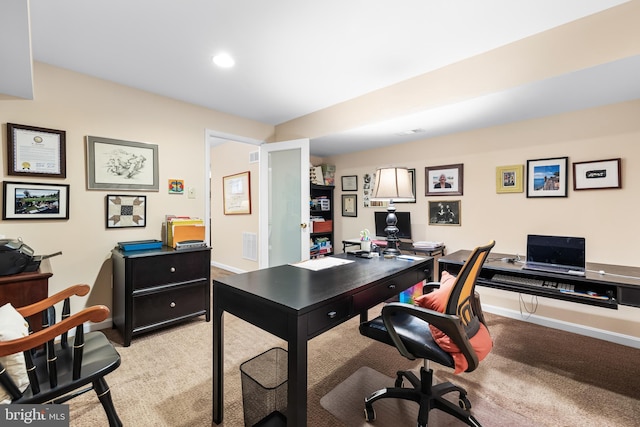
460	302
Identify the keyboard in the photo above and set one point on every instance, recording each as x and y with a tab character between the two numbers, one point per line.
528	281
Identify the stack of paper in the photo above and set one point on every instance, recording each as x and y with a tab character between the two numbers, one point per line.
427	245
180	229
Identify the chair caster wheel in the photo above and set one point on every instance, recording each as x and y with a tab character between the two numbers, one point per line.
369	413
464	403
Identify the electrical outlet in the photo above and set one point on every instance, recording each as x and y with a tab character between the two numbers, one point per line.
191	193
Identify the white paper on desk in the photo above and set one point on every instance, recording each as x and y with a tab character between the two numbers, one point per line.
410	257
321	263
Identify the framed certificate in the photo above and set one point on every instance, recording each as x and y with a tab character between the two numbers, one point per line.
34	151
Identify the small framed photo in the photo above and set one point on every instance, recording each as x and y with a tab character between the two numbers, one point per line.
34	151
27	200
349	205
121	165
444	180
446	212
350	183
237	193
597	174
510	179
412	176
124	211
547	177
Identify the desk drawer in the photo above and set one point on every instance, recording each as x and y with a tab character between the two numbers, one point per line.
385	290
328	316
166	305
179	267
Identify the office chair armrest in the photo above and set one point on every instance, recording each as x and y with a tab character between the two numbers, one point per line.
450	325
97	313
30	310
429	287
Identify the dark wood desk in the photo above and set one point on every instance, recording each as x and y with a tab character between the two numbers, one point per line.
618	285
297	304
26	288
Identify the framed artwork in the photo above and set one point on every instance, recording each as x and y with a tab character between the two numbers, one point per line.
33	151
176	186
350	183
412	176
349	205
237	194
510	179
121	165
597	174
443	180
27	200
446	212
547	177
125	211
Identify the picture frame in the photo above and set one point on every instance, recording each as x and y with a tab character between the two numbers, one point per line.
445	212
236	190
597	174
350	205
412	175
547	177
125	211
451	185
31	201
350	183
36	151
510	179
114	164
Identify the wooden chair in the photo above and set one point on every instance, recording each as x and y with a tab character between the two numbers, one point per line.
61	369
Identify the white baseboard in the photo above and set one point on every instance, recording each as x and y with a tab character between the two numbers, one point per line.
227	267
575	328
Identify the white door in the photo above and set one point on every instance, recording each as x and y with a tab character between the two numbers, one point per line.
284	202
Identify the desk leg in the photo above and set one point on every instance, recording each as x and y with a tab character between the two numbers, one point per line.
297	365
218	361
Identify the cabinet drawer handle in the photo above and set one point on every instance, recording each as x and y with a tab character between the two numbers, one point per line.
172	269
392	286
173	304
332	314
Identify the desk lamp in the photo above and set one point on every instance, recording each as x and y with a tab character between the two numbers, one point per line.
392	184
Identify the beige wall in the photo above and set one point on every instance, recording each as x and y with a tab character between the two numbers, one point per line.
83	106
607	218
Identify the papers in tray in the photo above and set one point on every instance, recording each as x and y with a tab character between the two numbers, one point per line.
428	245
321	263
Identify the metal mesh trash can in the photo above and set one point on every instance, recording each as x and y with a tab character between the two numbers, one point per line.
264	388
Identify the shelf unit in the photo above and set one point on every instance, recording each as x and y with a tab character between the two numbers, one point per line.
321	206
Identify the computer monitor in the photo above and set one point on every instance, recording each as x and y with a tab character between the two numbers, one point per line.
403	224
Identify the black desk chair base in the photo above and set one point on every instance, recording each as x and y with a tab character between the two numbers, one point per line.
427	395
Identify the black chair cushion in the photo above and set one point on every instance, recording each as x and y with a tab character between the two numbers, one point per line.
98	359
414	333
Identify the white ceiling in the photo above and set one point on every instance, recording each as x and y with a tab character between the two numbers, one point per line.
295	57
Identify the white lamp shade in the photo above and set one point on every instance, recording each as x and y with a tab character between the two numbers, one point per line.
393	184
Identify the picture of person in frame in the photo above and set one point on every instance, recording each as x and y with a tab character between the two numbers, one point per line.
442	182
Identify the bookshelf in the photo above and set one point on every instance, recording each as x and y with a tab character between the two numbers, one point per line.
321	207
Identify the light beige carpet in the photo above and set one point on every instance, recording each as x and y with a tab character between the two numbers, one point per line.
346	402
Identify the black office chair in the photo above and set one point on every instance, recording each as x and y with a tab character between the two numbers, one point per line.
57	371
407	327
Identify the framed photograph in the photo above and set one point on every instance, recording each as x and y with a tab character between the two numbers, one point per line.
349	205
27	200
121	165
350	183
510	179
33	151
443	180
597	174
445	212
237	194
547	177
412	175
125	211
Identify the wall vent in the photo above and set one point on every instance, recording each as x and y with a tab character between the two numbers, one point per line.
254	157
250	246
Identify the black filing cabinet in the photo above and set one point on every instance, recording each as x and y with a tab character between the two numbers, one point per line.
159	287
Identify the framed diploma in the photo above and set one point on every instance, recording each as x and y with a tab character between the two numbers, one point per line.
33	151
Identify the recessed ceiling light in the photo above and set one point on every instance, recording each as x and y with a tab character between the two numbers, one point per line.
224	60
